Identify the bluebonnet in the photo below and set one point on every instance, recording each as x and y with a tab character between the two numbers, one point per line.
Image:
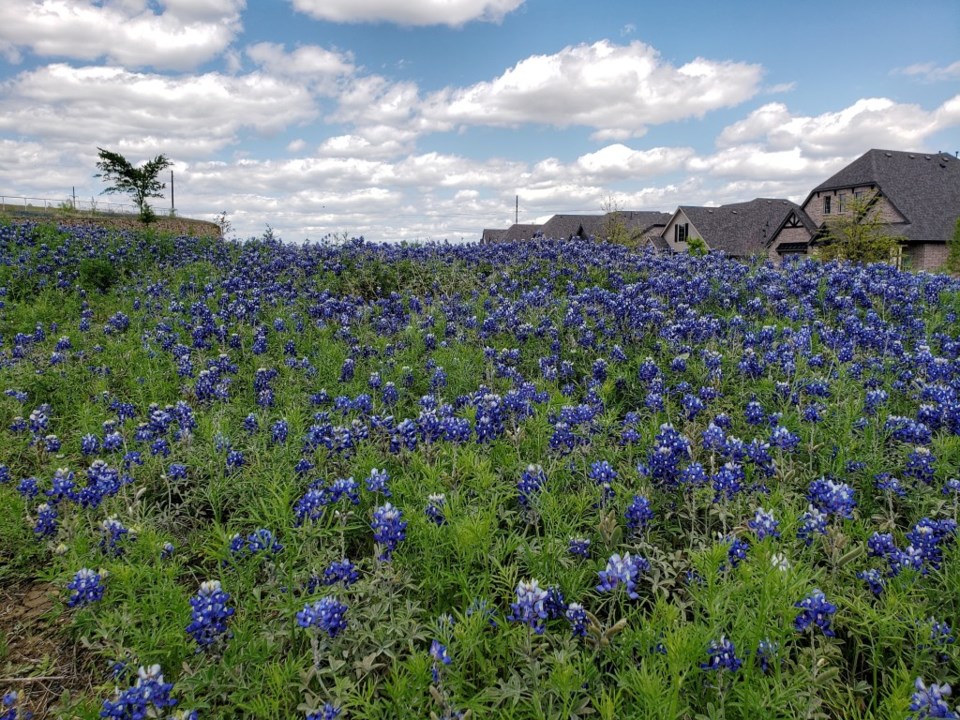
722	656
279	431
342	571
389	529
783	439
262	540
920	465
29	488
603	476
434	509
727	481
579	547
329	711
235	460
737	552
624	571
147	698
10	709
832	497
816	611
886	482
529	608
764	524
577	617
926	540
930	702
766	653
89	444
441	657
112	531
325	614
812	522
531	482
208	618
873	579
46	524
639	513
167	550
86	588
377	482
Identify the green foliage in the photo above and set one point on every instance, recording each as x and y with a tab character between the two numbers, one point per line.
953	248
859	234
140	183
696	246
98	274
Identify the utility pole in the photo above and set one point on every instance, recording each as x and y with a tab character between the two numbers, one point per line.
516	212
172	208
74	193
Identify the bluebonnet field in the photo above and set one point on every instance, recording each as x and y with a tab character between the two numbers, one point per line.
523	481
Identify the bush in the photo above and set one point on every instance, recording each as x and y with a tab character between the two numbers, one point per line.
98	274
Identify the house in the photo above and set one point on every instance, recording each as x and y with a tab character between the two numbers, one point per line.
567	227
764	226
492	235
917	194
520	231
645	226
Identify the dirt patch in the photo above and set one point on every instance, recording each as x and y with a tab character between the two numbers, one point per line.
36	659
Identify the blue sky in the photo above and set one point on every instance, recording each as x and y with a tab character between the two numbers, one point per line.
423	119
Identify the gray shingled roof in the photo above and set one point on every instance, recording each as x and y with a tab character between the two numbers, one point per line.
924	187
563	227
746	228
492	234
520	231
640	221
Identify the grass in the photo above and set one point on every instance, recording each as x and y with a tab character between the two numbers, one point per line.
502	357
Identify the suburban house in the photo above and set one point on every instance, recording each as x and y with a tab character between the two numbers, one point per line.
566	227
492	235
918	194
765	226
644	226
520	231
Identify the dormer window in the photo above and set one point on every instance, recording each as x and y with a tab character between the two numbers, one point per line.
826	204
680	232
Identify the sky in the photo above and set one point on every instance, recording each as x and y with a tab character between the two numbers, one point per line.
424	120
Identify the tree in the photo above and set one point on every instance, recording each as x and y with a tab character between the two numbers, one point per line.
860	234
953	249
614	226
141	183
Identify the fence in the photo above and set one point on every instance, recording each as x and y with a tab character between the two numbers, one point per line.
12	203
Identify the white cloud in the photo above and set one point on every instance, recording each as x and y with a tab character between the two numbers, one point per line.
617	89
617	162
184	35
867	123
182	116
930	72
408	12
320	67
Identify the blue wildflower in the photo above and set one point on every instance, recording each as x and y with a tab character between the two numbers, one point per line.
86	586
930	702
326	614
624	570
722	656
529	608
815	611
389	529
208	618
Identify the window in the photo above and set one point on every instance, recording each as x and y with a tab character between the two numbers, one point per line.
840	199
680	232
858	195
826	205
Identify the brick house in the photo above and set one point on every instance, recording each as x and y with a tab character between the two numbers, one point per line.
765	226
918	194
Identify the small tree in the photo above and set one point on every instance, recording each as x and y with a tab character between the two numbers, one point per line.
953	248
614	226
860	234
141	183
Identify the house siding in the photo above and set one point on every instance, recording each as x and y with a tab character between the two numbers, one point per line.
785	236
814	206
926	256
668	231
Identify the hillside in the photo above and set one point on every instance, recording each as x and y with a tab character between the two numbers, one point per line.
115	221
